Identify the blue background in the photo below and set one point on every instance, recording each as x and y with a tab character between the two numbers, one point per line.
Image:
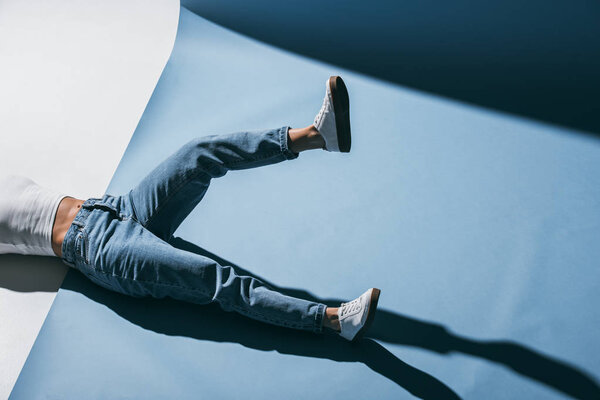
481	229
533	58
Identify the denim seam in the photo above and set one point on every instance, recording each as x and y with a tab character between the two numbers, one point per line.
283	144
192	176
318	323
83	242
175	191
108	274
67	248
261	317
283	149
263	157
150	282
133	209
313	325
238	308
166	199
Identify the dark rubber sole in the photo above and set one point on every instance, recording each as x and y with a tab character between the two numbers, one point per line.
341	107
370	315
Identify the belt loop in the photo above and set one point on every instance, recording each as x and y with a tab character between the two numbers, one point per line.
89	204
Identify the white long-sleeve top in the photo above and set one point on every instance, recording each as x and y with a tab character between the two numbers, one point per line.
27	213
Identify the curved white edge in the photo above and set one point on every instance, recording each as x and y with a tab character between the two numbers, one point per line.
75	78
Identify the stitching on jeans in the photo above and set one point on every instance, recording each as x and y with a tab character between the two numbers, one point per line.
133	209
243	310
186	180
259	316
284	144
280	135
83	245
239	309
108	274
192	176
318	324
166	200
264	157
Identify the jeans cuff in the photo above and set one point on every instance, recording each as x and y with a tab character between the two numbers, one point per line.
320	314
283	144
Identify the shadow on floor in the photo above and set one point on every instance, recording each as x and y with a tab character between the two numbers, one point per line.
31	273
172	317
536	58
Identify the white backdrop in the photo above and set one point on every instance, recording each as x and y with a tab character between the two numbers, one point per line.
75	77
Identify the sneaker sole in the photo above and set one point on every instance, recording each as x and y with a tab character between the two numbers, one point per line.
341	107
370	315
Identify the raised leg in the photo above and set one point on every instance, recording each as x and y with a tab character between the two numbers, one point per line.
170	192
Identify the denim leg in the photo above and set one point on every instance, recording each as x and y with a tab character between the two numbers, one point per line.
170	192
133	261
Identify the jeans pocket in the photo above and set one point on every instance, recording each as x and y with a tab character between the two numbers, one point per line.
82	261
81	246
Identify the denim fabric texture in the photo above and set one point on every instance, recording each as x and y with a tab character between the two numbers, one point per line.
122	242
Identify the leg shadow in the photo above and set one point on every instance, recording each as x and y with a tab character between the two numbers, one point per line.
209	322
395	328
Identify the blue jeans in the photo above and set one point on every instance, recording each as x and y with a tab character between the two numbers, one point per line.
122	242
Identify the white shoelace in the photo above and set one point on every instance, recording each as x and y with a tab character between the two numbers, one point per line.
350	307
318	119
324	109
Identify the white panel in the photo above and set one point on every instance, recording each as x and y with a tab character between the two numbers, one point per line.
75	77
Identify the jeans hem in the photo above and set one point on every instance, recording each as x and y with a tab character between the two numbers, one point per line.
319	316
283	144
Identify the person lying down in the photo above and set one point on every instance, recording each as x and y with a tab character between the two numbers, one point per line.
122	242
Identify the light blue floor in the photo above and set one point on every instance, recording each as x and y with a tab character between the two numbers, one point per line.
481	230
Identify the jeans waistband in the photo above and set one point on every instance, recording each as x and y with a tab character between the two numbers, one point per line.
68	245
79	223
106	203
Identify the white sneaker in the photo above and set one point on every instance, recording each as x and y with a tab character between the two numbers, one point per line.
333	120
356	316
